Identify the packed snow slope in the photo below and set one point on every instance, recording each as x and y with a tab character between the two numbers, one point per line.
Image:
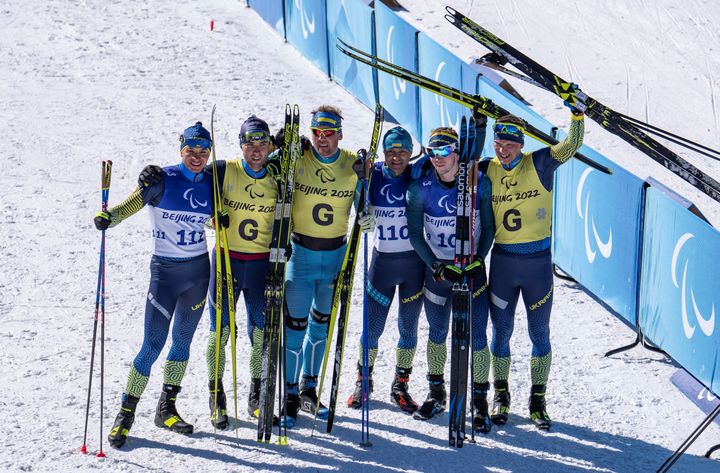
88	81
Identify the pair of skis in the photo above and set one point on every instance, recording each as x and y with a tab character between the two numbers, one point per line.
99	315
477	103
343	290
629	129
462	290
222	278
274	334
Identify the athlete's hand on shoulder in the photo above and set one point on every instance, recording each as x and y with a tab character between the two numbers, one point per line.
366	220
151	174
475	269
446	272
103	220
279	140
420	167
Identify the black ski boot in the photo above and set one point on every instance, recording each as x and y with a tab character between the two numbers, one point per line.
501	403
481	419
166	414
399	394
253	407
355	399
291	406
309	399
218	417
124	420
436	399
538	411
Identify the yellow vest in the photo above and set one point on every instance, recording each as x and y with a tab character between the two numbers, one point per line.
522	207
323	195
251	205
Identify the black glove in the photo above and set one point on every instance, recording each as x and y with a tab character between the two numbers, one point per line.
494	58
224	218
288	252
480	119
150	175
103	220
446	272
279	138
359	164
475	269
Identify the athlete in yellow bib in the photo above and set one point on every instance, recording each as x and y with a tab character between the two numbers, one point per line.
326	182
522	200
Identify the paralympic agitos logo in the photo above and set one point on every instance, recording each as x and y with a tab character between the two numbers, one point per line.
253	194
324	175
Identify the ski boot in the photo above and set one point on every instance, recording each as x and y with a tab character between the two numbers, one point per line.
291	406
254	401
355	399
435	401
253	407
124	420
309	399
399	394
501	403
481	419
166	414
538	411
218	414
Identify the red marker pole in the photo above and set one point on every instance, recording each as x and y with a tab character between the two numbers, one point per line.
212	25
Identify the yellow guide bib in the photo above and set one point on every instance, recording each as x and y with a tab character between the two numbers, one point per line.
323	195
522	207
251	205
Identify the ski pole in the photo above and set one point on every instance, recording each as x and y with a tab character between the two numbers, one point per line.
99	298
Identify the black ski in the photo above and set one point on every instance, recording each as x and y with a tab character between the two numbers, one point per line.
275	279
343	286
612	121
478	103
461	294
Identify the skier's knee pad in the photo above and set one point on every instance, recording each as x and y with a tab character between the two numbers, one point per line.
319	317
296	324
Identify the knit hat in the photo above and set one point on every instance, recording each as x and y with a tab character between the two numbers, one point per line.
440	137
195	136
253	129
398	138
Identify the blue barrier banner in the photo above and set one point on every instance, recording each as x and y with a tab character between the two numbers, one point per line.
396	42
680	287
438	63
696	392
352	21
306	25
597	230
271	11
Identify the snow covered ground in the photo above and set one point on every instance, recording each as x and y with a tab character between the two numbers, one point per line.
85	81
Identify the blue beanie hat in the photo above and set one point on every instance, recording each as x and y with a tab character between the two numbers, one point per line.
440	137
253	129
194	136
398	138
